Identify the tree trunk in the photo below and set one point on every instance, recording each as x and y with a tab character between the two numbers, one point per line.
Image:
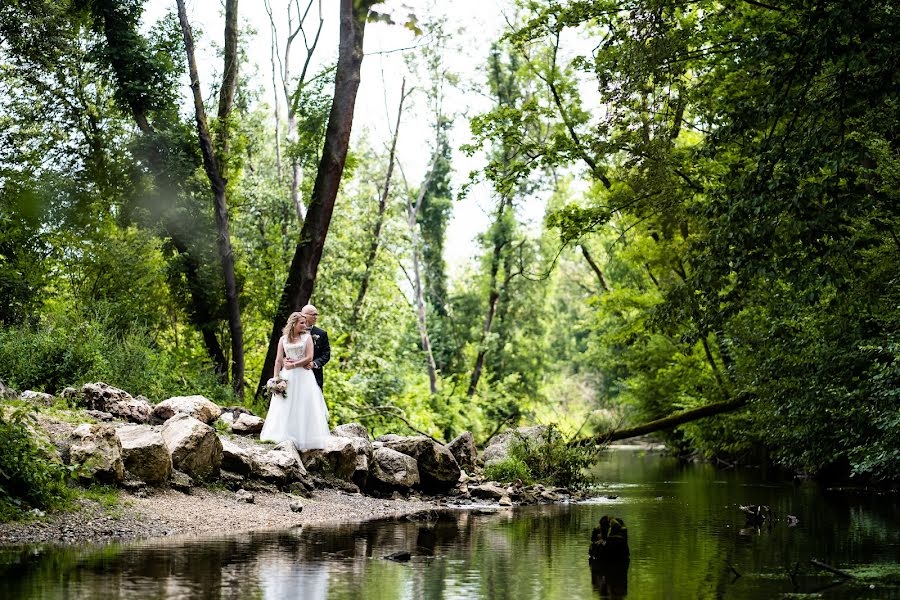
229	80
669	422
421	313
217	183
379	221
500	243
302	273
596	269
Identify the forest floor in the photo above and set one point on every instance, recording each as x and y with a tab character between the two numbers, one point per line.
119	515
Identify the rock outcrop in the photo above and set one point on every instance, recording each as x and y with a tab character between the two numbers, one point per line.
198	407
463	449
119	403
392	471
247	425
194	446
98	451
235	458
145	453
351	430
437	467
38	398
281	465
337	458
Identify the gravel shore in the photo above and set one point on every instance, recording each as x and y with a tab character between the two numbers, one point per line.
203	511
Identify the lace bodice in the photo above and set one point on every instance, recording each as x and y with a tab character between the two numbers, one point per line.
295	350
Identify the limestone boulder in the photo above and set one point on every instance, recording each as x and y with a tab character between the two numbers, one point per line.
337	458
235	458
351	430
501	446
197	407
37	398
392	471
97	449
438	470
463	449
119	403
145	453
247	425
489	490
194	446
279	466
6	392
364	453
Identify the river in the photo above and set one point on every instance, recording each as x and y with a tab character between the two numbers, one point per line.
687	536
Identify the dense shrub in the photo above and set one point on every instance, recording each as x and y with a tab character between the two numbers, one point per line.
68	349
548	460
509	469
29	475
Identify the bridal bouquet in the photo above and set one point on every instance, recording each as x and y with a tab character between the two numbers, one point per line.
277	385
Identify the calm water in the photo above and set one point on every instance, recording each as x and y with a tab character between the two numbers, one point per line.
685	532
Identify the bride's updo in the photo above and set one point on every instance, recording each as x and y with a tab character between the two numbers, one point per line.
288	330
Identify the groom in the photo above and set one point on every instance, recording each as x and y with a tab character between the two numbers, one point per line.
321	347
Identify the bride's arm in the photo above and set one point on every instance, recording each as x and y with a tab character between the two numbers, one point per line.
279	358
307	357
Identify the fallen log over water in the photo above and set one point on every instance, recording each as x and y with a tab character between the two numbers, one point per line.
669	422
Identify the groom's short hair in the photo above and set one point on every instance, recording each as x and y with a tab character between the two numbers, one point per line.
309	308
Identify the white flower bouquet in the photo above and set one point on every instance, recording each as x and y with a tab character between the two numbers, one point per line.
277	385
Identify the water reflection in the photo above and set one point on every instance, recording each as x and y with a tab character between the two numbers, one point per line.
683	531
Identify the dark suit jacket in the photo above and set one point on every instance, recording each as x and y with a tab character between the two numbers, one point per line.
321	352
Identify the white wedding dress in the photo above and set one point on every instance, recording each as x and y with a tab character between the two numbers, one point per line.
301	416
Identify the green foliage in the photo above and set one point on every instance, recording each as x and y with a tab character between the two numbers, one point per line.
549	460
71	348
30	477
509	469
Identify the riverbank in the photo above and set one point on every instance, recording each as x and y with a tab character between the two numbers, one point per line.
187	466
167	512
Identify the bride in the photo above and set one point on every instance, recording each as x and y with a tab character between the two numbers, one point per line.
300	415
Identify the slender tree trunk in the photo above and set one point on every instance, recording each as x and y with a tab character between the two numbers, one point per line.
596	269
218	185
277	114
229	82
500	244
379	221
301	277
422	316
412	213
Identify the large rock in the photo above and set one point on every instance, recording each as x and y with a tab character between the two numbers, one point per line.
337	458
194	446
500	447
364	452
247	424
392	470
351	430
489	490
38	398
119	403
236	458
145	453
463	449
437	467
281	465
6	392
196	406
98	450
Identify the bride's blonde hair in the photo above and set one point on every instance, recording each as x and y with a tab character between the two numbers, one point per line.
288	330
